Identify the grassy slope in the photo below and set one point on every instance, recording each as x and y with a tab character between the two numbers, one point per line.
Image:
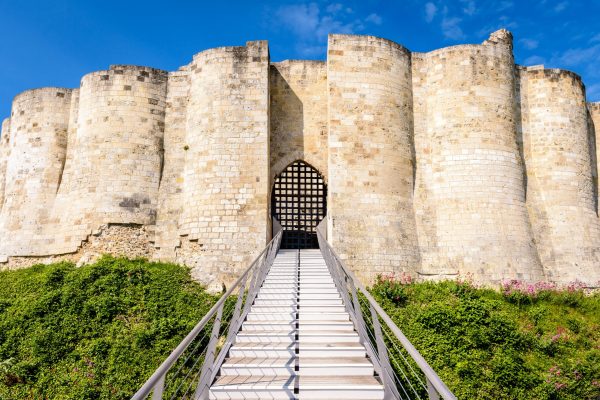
487	344
94	332
100	330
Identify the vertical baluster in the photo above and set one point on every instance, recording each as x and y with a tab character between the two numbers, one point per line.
391	391
234	324
252	287
433	394
209	358
159	388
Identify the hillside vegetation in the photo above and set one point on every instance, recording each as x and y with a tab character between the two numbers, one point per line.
95	332
522	342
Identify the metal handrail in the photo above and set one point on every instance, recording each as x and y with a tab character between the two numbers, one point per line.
207	370
372	335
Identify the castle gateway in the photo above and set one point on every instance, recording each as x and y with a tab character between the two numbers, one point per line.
455	161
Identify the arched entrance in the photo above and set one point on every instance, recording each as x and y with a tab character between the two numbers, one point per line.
299	202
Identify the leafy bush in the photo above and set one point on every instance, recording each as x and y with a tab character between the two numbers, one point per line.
522	342
391	288
95	332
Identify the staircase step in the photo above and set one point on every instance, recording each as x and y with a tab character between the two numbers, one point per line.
340	388
303	295
275	350
270	317
245	387
334	326
335	366
324	302
325	309
257	366
270	326
329	349
274	296
275	308
271	302
266	337
331	290
276	290
324	316
327	337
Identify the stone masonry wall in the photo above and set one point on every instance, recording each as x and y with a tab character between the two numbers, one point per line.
594	126
370	155
298	114
4	154
170	198
226	174
440	164
561	190
114	172
470	189
38	141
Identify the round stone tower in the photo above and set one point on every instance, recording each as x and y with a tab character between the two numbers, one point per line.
115	172
560	161
371	219
226	169
38	142
472	213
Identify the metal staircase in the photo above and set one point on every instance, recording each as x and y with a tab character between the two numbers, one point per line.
297	340
296	325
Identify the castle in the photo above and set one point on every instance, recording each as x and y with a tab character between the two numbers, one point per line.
438	164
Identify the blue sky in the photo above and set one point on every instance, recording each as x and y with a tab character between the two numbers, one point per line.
54	43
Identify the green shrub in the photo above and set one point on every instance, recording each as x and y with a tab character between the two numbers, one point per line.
522	342
95	332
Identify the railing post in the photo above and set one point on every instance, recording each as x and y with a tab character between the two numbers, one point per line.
233	324
207	366
387	373
433	394
158	389
251	288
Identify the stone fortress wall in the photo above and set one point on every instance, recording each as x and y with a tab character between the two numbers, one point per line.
440	164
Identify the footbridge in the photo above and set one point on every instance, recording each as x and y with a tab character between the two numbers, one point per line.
297	324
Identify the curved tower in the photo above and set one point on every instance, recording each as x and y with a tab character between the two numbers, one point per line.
372	224
38	142
115	168
561	189
470	183
226	171
4	154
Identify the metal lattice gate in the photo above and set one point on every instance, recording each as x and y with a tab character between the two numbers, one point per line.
299	202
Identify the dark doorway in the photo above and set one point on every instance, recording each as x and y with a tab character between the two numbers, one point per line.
299	202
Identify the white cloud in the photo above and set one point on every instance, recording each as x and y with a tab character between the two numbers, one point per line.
534	60
334	8
430	11
451	28
301	19
586	57
529	44
561	6
503	5
374	18
311	24
470	7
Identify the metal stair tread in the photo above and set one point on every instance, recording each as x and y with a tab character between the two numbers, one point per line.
259	361
233	382
333	361
340	382
330	345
